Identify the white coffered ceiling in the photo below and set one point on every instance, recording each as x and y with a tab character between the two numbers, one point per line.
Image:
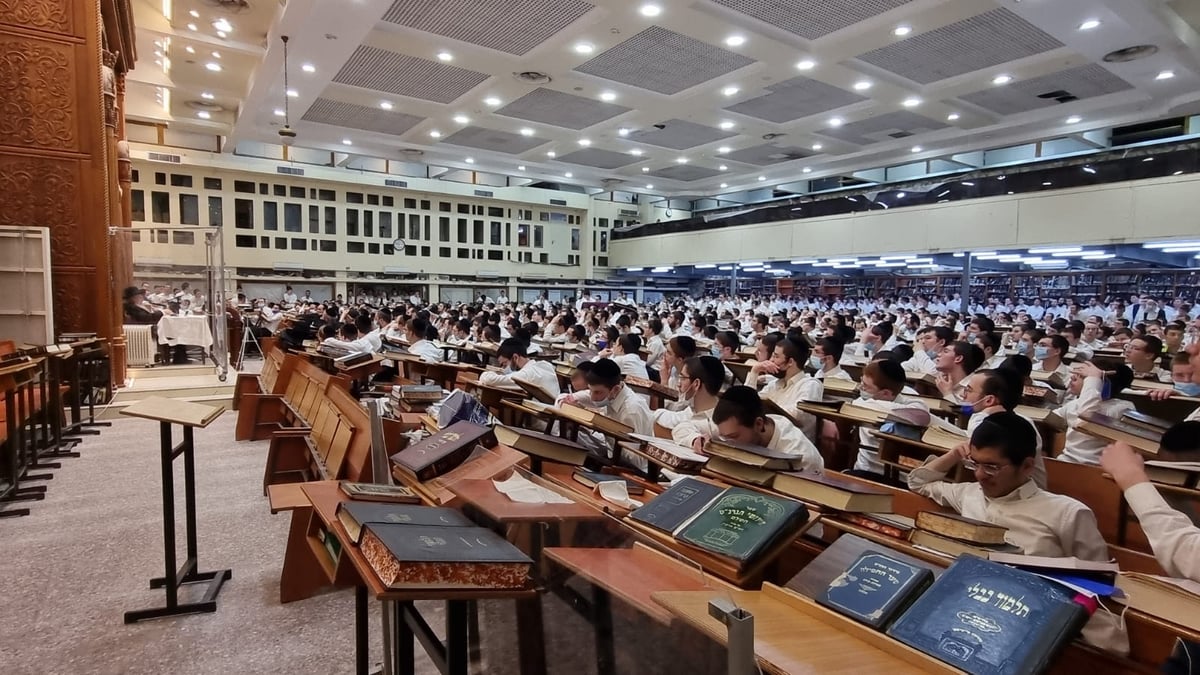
708	96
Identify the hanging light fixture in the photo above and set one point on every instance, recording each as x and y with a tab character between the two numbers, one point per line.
287	135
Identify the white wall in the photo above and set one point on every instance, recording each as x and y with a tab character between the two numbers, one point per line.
1133	211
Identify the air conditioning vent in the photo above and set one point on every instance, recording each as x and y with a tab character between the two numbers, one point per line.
392	182
290	170
532	77
164	157
484	193
1149	131
628	212
901	134
558	202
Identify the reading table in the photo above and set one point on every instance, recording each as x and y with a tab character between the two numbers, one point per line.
189	416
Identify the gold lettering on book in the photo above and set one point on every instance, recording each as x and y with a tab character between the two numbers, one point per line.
1001	601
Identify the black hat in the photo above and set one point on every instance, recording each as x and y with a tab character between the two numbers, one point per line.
132	292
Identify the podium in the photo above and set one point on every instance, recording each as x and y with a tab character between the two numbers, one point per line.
189	416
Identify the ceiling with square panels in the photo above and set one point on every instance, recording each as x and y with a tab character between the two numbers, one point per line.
697	97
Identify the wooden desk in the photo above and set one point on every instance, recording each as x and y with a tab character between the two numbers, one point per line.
189	416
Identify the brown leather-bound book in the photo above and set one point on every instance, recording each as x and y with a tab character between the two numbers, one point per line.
961	527
723	467
1108	428
420	556
595	420
658	388
890	524
752	455
833	491
542	445
442	451
953	548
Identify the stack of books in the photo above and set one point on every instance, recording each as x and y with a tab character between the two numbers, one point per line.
443	451
1139	434
415	397
748	463
952	535
1176	601
678	458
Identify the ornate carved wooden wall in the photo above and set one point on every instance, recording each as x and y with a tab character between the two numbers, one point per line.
57	156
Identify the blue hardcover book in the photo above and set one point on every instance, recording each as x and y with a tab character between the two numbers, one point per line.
991	619
876	588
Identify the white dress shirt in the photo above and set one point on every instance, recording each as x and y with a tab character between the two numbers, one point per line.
1173	538
787	439
631	364
427	352
538	373
868	444
1079	447
786	393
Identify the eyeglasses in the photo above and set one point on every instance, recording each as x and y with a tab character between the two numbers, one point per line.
987	469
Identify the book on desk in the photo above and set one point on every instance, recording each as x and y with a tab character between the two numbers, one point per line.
876	588
1173	600
595	420
833	491
354	515
541	445
1112	429
442	451
677	457
418	556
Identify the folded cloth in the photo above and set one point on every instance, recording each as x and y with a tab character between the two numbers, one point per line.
617	492
520	489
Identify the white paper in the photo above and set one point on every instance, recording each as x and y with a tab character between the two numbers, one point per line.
617	492
520	489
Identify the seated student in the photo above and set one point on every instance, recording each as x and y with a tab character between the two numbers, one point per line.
1142	356
348	339
701	379
1181	379
740	419
1048	356
1027	345
1173	538
518	367
1094	393
763	350
607	390
652	337
578	383
625	354
826	359
993	355
881	388
1073	332
954	366
1173	338
932	340
993	391
422	347
679	349
1001	453
791	384
725	345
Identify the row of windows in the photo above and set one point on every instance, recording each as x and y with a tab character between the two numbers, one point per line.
371	248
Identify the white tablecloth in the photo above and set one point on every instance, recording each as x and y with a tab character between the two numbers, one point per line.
185	330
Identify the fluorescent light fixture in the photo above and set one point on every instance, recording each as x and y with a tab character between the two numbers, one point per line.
279	112
308	67
722	168
526	131
824	264
1001	79
569	174
1180	249
292	93
911	102
1088	169
1060	249
190	49
730	90
1072	254
724	185
622	132
470	160
192	26
762	177
806	64
817	146
841	260
645	169
584	48
521	168
649	186
347	141
750	264
681	160
1074	119
650	9
891	264
492	101
203	114
207	96
725	268
919	266
953	117
704	267
633	269
223	25
846	266
726	125
386	105
807	261
723	149
661	269
1165	75
636	152
213	66
608	96
807	169
1099	256
584	142
461	119
434	133
917	148
862	85
898	257
960	255
1050	263
836	122
445	56
1165	244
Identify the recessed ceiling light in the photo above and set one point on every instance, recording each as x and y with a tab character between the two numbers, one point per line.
836	121
650	9
347	141
435	134
862	85
470	160
806	64
807	169
292	93
203	114
901	31
636	152
917	148
569	174
1001	79
551	153
223	25
386	105
208	96
911	102
723	149
724	185
584	48
1089	24
194	14
681	160
461	119
649	186
192	26
622	131
1074	119
952	117
723	168
726	125
222	34
526	131
279	112
735	41
730	90
762	177
445	56
308	68
584	142
645	169
521	168
1165	75
215	67
607	96
216	55
190	49
817	146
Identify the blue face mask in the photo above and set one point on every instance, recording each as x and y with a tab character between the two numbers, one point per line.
971	338
1188	388
871	347
1023	346
716	351
931	353
864	395
1040	353
815	362
967	409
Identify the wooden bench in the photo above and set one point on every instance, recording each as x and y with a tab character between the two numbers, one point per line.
289	405
337	445
1090	485
264	382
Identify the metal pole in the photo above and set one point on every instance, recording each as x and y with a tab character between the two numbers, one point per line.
966	287
733	281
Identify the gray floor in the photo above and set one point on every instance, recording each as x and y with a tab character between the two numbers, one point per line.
70	569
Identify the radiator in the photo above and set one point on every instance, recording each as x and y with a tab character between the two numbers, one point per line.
140	347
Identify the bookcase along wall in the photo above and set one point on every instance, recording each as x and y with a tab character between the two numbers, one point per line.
26	313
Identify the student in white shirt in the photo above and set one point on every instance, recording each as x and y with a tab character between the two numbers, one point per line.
994	391
792	385
289	297
348	339
654	344
420	346
955	364
757	376
701	380
880	389
517	366
607	390
680	348
930	342
1142	355
1094	393
1001	453
1048	356
740	419
624	352
826	358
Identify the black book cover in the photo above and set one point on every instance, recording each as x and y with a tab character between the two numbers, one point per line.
354	515
440	544
875	589
681	501
991	619
443	451
591	478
